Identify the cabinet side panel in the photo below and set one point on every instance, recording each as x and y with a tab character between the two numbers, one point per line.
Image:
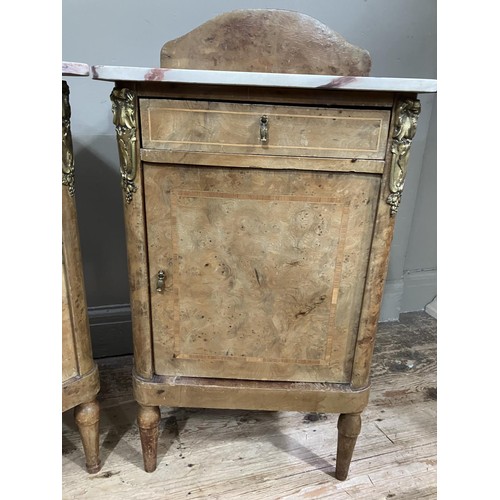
75	284
127	126
138	272
69	364
377	271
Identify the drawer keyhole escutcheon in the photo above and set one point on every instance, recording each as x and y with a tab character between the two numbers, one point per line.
160	281
264	129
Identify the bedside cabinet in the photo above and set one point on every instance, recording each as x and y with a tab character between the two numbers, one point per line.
79	372
259	212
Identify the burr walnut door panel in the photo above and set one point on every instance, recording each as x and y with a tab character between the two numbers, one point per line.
264	270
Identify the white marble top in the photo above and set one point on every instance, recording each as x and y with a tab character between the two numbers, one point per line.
75	69
134	74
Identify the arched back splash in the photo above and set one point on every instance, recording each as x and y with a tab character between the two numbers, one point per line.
266	40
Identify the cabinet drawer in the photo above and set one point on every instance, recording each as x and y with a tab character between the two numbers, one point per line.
217	127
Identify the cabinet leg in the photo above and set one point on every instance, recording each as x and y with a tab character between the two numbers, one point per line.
148	420
349	426
87	420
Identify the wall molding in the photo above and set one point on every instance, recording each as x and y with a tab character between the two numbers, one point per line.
413	292
391	301
420	287
431	308
111	330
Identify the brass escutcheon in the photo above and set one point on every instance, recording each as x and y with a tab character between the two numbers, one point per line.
160	281
264	129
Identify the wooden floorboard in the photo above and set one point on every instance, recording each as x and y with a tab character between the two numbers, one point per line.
229	454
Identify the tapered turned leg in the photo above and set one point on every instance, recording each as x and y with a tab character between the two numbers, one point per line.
87	419
148	420
349	426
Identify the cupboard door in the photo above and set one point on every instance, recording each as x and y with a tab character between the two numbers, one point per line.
257	266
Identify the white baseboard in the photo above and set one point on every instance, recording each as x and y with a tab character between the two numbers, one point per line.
110	330
432	308
391	301
411	293
420	287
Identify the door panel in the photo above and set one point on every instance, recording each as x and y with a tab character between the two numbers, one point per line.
257	263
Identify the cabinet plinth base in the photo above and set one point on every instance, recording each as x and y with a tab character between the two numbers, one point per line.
197	392
79	390
194	392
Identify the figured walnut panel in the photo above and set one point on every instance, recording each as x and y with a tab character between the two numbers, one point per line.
266	40
257	264
75	286
69	363
235	128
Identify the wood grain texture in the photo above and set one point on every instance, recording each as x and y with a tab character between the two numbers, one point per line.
138	274
250	275
261	274
266	94
377	271
69	361
80	389
254	455
234	128
87	420
75	288
80	376
262	161
267	40
148	420
197	392
349	427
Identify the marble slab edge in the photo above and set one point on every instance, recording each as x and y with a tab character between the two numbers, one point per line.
75	69
327	82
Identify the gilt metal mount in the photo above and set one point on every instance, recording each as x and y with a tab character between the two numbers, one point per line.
68	163
407	112
124	119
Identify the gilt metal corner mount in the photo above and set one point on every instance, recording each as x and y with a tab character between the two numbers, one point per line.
407	112
124	118
68	163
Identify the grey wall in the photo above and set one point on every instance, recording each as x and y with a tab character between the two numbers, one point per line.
401	38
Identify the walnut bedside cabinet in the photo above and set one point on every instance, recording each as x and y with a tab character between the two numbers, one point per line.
259	212
79	371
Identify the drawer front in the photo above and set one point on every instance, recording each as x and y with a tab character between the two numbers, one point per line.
257	264
216	127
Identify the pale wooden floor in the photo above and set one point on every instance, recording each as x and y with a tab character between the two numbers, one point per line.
231	454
